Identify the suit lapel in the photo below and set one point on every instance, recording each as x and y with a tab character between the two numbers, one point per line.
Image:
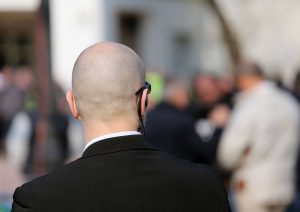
117	144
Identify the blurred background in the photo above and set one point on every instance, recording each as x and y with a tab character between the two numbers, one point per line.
190	48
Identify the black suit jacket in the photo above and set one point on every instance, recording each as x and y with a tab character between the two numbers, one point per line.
172	130
124	174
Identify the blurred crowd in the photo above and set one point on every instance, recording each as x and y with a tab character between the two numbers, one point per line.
32	142
246	126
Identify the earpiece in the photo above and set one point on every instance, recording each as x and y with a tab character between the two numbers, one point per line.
140	94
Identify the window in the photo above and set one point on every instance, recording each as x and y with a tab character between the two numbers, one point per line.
130	29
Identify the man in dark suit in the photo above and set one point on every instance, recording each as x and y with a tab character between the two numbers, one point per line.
118	171
170	128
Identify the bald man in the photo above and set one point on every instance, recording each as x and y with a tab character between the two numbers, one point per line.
119	170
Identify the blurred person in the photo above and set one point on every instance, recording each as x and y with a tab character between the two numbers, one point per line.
260	143
207	94
10	176
2	81
5	80
228	89
57	144
209	107
6	77
296	203
17	140
170	128
118	170
10	179
12	98
296	86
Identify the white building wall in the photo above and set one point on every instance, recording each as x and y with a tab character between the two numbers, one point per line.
74	26
77	24
165	19
19	5
268	32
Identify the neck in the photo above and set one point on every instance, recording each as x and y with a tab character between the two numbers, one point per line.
93	129
252	83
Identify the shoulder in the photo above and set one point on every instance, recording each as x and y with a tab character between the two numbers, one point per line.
194	172
200	180
33	194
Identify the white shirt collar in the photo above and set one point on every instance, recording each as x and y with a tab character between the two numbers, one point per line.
264	85
111	135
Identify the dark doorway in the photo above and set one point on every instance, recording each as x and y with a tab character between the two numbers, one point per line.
130	29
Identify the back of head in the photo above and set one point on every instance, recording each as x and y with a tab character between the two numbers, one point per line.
248	74
206	89
176	92
105	78
249	68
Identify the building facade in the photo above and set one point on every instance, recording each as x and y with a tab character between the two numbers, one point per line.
172	36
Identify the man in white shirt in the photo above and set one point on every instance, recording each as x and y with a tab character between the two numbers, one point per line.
119	170
260	143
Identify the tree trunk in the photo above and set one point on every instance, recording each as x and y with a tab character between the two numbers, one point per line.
229	36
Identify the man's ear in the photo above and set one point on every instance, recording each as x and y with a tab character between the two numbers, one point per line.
71	102
144	102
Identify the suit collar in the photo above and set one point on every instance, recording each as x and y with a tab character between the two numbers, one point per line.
117	144
111	135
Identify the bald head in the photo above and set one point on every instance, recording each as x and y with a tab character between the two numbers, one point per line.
105	78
